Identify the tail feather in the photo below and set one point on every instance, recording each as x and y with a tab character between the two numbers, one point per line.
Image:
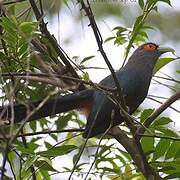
51	107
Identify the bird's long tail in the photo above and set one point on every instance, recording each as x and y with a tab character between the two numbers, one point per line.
51	107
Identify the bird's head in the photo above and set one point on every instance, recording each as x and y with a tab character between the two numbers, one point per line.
149	52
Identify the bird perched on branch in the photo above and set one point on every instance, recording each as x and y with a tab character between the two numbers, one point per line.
134	79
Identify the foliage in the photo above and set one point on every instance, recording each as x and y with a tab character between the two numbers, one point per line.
25	48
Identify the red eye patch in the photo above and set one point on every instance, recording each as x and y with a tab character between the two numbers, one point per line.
150	47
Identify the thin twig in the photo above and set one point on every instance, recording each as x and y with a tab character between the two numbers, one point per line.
12	2
46	132
30	75
6	151
161	137
166	85
162	103
97	150
99	41
168	79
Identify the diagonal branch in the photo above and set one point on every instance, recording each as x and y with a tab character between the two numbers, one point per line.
134	148
150	119
99	41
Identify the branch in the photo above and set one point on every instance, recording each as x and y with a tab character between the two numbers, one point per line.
160	137
45	132
51	81
99	41
134	148
38	76
150	119
168	79
12	2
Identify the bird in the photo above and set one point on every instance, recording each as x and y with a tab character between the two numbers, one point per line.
134	79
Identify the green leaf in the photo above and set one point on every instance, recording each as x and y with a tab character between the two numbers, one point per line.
173	163
145	114
167	132
177	155
147	144
44	165
172	176
121	159
23	49
120	33
58	151
44	175
120	29
27	27
66	3
139	39
150	3
128	172
147	27
26	166
166	168
9	24
162	121
161	63
141	3
166	1
15	162
85	76
109	39
33	125
144	34
125	154
62	121
173	149
54	136
155	8
48	145
11	9
30	150
120	40
29	162
138	23
86	59
161	148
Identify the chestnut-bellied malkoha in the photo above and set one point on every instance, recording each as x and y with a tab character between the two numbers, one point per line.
134	79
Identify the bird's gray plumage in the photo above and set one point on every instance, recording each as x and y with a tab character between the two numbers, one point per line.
134	79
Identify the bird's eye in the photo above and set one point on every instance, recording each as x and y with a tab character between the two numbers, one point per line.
150	47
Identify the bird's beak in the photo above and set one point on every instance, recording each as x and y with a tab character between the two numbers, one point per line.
163	50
